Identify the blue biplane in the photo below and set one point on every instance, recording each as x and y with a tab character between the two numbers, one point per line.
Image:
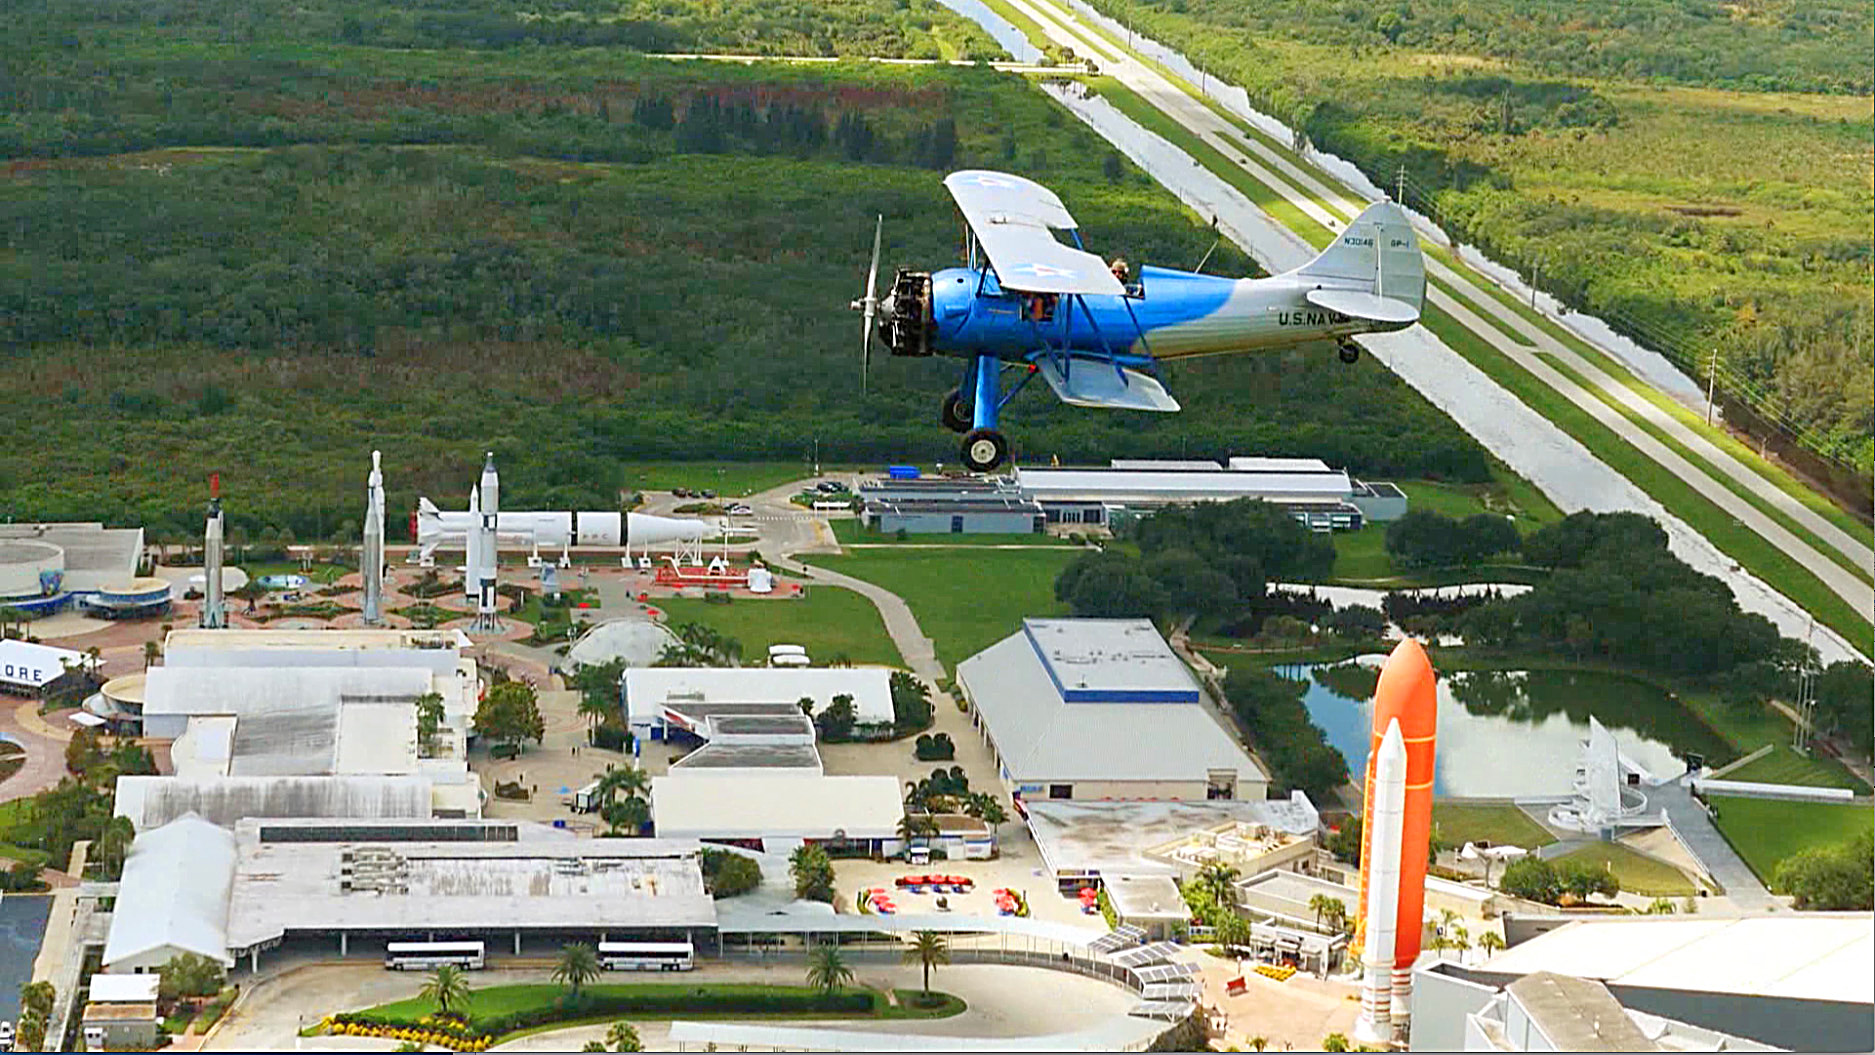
1028	302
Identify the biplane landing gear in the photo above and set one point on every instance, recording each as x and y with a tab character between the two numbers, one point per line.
956	415
1349	351
984	450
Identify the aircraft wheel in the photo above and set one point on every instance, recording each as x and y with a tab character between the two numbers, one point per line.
984	450
955	415
1350	352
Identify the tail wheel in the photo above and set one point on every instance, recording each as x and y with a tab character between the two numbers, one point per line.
984	450
955	416
1350	352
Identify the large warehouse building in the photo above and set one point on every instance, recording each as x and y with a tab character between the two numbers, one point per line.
1102	709
347	887
1322	498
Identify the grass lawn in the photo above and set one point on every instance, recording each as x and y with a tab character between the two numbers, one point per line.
1765	831
1499	823
1363	554
1637	873
725	478
531	611
666	1000
828	621
964	603
851	531
1750	726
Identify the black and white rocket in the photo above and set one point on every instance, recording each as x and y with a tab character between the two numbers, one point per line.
371	559
214	607
485	504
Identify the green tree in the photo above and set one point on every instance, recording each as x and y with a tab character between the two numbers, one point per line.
837	719
151	653
1335	1042
448	989
1582	879
577	965
111	847
593	1045
626	816
1217	877
429	720
189	975
510	713
31	1033
728	873
623	1036
928	949
1532	879
827	970
812	871
1830	878
1491	942
38	996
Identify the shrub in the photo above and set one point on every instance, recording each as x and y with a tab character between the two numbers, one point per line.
935	748
1532	879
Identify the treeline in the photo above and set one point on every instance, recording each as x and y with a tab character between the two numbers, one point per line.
1295	748
1209	559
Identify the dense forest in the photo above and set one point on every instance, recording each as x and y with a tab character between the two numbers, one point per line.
218	257
1648	162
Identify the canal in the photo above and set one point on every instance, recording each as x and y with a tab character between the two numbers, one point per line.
22	927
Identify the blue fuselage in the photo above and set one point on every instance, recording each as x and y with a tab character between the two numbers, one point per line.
1180	314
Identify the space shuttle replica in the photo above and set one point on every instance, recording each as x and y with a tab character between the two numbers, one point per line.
214	536
436	529
371	559
1396	830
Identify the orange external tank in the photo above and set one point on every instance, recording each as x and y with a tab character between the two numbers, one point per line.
1407	693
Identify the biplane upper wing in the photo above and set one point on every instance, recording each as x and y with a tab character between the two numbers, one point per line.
1012	218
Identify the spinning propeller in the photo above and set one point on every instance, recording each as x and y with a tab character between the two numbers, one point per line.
869	305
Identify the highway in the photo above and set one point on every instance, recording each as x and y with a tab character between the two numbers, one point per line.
1426	364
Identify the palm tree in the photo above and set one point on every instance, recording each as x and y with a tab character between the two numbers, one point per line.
1491	942
1460	940
1217	877
1258	1043
623	1037
594	709
577	965
1336	912
447	989
626	780
1335	1042
1661	907
827	970
151	650
625	815
928	949
1318	904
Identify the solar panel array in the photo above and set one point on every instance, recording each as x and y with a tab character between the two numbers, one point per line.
1118	938
1165	972
1157	952
1170	991
1163	1010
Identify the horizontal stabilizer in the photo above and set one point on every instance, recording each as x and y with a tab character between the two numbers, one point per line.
1094	383
1359	305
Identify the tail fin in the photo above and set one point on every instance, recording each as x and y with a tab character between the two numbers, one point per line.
1373	271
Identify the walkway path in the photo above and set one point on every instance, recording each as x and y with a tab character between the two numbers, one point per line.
45	752
1701	837
1462	391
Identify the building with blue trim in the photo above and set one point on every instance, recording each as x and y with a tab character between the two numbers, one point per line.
1103	709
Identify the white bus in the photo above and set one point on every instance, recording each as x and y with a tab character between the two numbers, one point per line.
647	956
786	650
828	506
429	955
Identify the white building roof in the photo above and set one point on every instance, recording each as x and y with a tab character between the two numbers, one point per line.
437	650
1811	956
33	665
1043	738
776	806
1278	465
1137	897
174	895
172	689
124	988
1114	837
95	555
1166	465
647	689
1122	485
151	802
518	875
1110	661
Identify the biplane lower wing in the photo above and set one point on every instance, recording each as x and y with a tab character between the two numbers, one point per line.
1085	382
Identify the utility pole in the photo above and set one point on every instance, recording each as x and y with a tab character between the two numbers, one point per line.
1712	384
1806	697
1536	276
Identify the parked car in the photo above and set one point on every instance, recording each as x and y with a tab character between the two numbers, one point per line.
740	510
680	492
706	493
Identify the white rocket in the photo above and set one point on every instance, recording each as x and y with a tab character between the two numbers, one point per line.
439	529
214	607
1375	1025
371	558
482	569
471	544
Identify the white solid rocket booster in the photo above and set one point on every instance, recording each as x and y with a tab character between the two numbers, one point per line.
1383	890
472	546
371	557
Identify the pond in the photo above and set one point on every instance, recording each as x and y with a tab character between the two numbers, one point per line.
22	927
998	27
1506	733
